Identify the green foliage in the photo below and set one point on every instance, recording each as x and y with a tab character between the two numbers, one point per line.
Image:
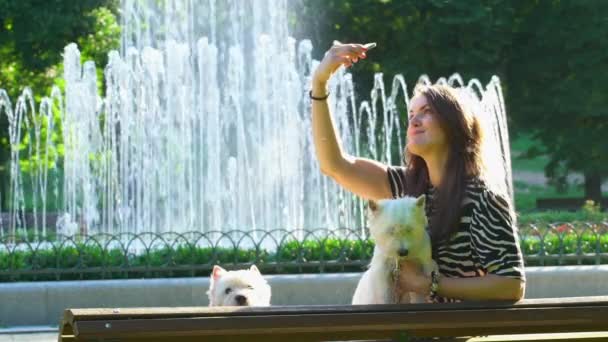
104	37
561	216
526	195
436	38
589	212
555	244
91	260
33	35
557	248
592	208
520	161
560	47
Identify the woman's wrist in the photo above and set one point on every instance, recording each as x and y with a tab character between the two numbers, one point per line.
319	88
319	83
424	287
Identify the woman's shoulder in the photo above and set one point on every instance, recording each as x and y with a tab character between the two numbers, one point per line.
396	180
486	197
478	185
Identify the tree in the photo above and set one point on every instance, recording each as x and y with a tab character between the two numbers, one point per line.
433	37
559	87
33	34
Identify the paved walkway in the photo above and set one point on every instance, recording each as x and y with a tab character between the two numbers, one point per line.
538	178
29	334
48	337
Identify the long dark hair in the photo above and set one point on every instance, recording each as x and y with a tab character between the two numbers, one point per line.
464	134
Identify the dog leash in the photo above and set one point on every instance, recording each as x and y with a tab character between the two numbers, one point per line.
395	276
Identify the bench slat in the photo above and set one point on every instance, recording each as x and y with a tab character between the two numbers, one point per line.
307	323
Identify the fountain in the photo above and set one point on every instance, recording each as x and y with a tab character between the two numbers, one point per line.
205	125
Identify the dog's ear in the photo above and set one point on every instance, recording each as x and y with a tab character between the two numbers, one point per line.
217	273
373	206
421	201
254	269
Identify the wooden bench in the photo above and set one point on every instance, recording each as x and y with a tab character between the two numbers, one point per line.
344	322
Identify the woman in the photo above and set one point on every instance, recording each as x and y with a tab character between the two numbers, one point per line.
475	242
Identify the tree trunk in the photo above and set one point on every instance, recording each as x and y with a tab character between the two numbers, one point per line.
593	186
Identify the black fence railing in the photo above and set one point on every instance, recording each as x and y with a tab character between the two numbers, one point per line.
120	256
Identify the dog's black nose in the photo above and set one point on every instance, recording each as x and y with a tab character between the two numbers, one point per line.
241	300
403	252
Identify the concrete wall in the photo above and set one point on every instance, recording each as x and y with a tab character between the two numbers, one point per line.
42	303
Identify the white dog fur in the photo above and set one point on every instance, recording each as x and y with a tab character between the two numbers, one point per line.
398	228
238	288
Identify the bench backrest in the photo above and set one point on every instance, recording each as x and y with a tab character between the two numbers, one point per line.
314	323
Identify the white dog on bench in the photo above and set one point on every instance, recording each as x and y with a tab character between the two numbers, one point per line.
398	228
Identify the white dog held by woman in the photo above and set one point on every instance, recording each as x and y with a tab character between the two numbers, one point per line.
398	228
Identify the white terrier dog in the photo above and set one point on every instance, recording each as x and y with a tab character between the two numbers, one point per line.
398	228
238	288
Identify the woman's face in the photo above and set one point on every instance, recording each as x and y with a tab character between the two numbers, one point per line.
424	133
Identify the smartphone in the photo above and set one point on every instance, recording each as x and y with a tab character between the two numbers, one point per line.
369	46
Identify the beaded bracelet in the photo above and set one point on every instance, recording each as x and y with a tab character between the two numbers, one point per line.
318	98
434	283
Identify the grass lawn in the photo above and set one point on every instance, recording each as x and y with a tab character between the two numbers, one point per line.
519	146
526	193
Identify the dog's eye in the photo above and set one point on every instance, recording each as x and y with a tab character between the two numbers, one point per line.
228	290
250	287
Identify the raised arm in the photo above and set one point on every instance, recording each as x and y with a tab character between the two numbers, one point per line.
364	177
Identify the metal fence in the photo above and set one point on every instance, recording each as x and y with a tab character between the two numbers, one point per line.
128	255
565	243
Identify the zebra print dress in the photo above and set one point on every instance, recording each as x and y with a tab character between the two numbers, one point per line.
486	241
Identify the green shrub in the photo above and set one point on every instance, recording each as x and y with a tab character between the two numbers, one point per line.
548	245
